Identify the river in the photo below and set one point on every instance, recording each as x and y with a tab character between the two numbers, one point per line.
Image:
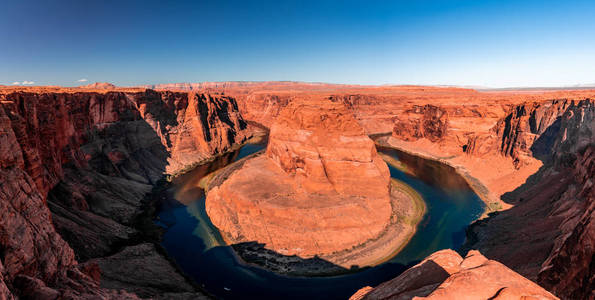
195	245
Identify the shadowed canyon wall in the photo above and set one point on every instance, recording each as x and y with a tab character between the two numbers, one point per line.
91	158
547	235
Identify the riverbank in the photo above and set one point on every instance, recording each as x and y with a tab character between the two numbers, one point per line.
408	209
488	185
256	138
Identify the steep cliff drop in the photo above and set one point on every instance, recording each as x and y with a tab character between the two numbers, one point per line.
551	226
320	189
91	158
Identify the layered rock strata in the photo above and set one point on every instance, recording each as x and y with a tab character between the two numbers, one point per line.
320	188
91	158
446	275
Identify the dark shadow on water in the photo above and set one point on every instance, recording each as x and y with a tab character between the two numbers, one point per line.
257	253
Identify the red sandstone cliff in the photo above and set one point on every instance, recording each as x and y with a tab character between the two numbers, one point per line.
99	154
550	226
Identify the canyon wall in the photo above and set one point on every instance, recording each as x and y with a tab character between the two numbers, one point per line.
546	235
91	158
546	231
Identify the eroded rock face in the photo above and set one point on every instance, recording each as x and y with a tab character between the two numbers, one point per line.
529	129
91	158
429	122
553	212
446	275
320	188
176	129
5	293
568	270
28	240
323	144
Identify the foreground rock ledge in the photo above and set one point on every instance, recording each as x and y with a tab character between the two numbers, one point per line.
321	188
446	275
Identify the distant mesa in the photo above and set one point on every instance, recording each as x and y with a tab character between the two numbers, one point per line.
99	85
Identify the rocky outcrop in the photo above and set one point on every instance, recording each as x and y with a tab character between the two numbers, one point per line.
319	189
446	275
429	122
91	158
56	129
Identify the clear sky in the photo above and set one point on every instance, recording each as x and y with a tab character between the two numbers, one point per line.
489	43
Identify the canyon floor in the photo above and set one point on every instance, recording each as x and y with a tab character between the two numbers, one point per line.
80	168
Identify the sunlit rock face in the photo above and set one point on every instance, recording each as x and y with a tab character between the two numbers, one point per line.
319	188
323	146
446	275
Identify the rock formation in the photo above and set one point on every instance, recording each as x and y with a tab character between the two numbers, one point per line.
553	211
446	275
91	158
319	189
429	122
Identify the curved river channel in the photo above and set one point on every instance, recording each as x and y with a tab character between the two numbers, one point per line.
195	245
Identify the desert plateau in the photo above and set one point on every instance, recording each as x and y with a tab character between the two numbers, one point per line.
361	150
93	180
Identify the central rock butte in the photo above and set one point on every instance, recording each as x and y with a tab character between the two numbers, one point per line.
320	188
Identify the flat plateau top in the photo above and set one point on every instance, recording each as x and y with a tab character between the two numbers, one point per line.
437	95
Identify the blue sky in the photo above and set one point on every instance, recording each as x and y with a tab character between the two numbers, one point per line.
488	43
